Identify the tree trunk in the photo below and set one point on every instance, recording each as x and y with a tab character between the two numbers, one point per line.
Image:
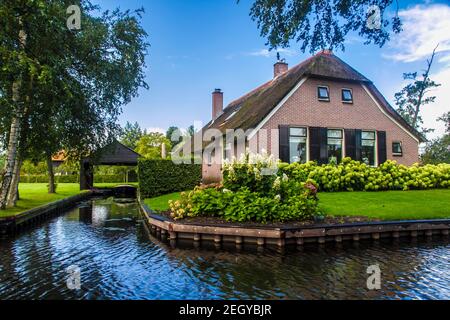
51	175
13	194
14	134
12	153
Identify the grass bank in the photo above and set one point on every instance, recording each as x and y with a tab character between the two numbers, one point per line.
33	195
389	205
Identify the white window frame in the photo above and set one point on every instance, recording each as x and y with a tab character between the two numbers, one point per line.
396	154
307	140
343	141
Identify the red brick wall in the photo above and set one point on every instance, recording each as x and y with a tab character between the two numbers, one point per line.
304	109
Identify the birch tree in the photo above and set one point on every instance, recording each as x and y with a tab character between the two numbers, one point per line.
67	87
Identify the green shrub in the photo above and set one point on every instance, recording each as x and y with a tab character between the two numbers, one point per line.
158	177
352	175
250	192
111	178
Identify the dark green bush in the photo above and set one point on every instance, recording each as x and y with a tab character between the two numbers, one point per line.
158	177
110	178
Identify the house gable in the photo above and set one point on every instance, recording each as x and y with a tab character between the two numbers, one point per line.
303	109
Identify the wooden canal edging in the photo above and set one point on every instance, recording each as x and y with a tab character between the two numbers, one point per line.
173	230
15	223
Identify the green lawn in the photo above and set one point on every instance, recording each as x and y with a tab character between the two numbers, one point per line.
161	203
33	195
390	205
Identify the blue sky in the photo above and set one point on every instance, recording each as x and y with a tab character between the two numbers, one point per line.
199	45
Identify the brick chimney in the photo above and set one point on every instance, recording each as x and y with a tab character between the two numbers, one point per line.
279	68
217	103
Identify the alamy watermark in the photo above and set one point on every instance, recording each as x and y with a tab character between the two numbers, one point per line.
374	280
74	20
373	21
73	281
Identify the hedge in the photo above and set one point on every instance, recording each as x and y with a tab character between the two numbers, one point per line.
110	178
158	177
349	175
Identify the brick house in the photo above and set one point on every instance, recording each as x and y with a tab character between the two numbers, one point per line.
320	110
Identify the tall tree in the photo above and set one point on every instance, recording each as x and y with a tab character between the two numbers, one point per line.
149	146
415	96
438	150
62	88
319	24
445	118
131	134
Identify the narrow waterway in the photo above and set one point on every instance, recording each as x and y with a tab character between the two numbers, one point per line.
119	260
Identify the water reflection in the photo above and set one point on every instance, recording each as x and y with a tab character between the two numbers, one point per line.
118	260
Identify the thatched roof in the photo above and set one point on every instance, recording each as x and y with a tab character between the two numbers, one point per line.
248	111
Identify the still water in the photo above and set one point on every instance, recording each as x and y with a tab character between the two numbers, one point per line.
119	260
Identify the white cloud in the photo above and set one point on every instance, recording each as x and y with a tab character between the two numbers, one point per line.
423	28
156	129
267	54
431	112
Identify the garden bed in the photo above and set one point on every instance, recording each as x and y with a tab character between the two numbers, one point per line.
389	205
219	232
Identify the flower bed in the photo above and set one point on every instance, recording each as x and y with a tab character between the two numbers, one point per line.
251	191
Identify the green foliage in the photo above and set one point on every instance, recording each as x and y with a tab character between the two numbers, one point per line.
353	175
149	146
131	134
111	178
437	151
71	85
249	195
321	24
157	177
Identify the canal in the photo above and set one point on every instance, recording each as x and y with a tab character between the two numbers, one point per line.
118	259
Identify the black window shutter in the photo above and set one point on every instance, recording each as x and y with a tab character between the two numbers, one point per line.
358	144
314	144
284	143
382	153
350	143
323	146
318	145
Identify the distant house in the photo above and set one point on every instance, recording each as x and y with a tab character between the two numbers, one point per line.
59	159
322	110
